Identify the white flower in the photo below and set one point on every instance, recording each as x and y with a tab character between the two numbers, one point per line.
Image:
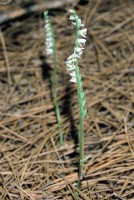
79	50
46	25
48	44
70	65
81	42
73	74
72	11
72	17
73	79
83	32
74	56
49	51
79	22
69	62
71	68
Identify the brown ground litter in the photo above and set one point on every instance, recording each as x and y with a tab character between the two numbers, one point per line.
32	164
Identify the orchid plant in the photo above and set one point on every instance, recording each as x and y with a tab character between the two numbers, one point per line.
51	49
73	69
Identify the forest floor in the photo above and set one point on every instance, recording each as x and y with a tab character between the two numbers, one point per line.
33	165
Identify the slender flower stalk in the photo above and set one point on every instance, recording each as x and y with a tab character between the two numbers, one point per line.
73	69
51	49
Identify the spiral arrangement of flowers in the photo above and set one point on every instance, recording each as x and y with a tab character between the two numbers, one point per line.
51	49
79	45
73	69
72	61
49	34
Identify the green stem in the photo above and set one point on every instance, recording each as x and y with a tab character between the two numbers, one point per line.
52	44
81	151
56	104
81	119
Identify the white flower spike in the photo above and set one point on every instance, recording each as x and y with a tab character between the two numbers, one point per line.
78	49
73	68
49	35
51	49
